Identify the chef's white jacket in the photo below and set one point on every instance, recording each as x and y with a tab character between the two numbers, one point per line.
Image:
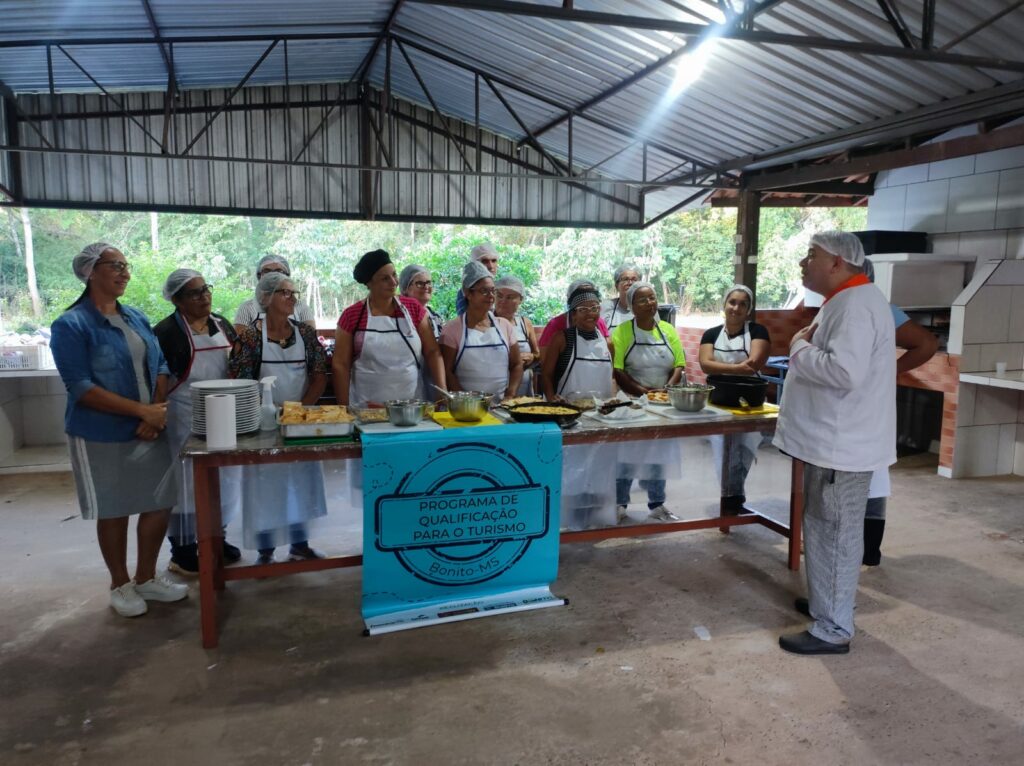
839	401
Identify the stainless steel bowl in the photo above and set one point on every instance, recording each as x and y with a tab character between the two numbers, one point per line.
468	406
405	412
692	398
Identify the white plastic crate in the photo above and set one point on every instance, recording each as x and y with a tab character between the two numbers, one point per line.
26	358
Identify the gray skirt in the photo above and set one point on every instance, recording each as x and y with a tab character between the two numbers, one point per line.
116	479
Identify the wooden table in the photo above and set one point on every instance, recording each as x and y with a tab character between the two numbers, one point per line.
267	447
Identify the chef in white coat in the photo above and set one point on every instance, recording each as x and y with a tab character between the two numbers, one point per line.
648	355
839	417
280	499
382	343
739	346
480	350
616	310
579	359
196	343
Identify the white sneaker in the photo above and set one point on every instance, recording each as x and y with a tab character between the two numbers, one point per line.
161	589
620	514
661	513
126	601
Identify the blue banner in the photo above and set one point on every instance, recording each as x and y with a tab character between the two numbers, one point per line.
459	524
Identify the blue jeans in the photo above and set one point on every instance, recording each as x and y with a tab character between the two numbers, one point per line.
655	491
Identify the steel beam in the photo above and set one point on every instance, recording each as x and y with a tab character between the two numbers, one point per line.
364	67
748	228
830	188
1004	138
1001	100
163	50
513	7
816	200
709	31
523	126
675	208
980	26
928	24
518	88
895	19
433	104
11	138
112	97
264	37
231	95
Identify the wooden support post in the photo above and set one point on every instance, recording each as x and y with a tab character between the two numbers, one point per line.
748	224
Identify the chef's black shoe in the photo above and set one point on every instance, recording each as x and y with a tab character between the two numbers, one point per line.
732	505
805	643
803	606
185	560
231	553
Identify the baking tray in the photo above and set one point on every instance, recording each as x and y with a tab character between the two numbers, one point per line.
313	430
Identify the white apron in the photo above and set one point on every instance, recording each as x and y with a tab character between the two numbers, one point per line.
482	362
523	339
590	368
617	316
650	362
278	495
588	470
733	351
389	362
209	362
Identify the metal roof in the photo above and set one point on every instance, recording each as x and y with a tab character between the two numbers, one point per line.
756	102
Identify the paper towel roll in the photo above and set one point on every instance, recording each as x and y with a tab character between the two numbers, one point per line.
220	421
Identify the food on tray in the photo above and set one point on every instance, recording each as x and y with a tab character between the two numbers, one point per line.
546	409
373	415
584	404
294	413
520	400
657	397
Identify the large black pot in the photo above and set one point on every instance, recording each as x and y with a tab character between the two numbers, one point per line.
729	389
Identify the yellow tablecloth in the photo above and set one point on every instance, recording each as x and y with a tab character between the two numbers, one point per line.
447	421
764	409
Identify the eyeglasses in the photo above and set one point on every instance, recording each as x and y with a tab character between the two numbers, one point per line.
587	309
423	284
642	299
197	294
487	292
288	293
509	296
121	267
628	280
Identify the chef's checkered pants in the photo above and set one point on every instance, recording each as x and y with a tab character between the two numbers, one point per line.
834	504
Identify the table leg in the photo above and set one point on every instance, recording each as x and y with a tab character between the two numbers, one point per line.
796	513
727	447
207	488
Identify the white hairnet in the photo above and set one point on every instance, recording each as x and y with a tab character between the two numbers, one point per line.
742	289
486	250
633	288
267	285
511	283
576	283
273	259
841	243
472	273
623	269
409	274
84	262
176	280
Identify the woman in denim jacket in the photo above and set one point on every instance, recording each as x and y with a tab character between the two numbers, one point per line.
116	379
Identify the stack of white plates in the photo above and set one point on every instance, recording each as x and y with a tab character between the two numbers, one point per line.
247	403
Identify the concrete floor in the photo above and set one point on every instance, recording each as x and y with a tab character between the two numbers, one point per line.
621	676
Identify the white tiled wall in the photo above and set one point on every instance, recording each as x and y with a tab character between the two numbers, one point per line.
968	205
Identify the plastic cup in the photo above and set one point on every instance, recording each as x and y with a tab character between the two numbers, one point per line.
1000	368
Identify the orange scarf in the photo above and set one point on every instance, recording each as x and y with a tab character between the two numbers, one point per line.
855	281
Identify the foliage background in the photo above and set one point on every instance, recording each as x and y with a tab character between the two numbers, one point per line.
688	256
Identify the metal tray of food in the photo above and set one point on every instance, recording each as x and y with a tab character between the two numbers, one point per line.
318	422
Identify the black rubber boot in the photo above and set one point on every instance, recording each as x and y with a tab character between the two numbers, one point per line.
874	529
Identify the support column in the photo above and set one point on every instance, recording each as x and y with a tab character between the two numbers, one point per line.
748	226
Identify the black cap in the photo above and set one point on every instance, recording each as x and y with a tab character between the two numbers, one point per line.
369	264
